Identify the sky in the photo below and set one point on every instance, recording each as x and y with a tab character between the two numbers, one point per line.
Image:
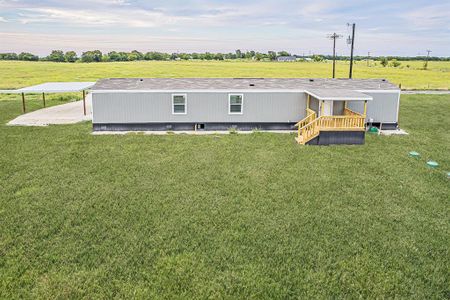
383	27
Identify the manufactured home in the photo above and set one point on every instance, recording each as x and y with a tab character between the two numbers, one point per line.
322	111
286	58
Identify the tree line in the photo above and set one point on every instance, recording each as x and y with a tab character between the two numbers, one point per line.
98	56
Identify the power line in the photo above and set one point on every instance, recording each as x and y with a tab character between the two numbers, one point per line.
425	66
352	41
334	37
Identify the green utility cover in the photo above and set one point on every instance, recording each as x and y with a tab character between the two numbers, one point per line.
432	164
373	129
414	154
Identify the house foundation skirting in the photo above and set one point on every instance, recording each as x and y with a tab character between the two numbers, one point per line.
190	126
339	138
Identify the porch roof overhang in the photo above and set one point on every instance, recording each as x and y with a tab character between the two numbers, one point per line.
338	95
52	87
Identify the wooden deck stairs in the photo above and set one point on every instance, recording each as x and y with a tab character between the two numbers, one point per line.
311	126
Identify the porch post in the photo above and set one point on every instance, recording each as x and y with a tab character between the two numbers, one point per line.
321	108
307	101
365	108
23	103
345	104
84	102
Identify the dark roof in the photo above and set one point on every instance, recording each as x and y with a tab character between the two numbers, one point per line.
234	84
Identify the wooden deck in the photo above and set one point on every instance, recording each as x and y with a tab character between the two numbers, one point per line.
311	126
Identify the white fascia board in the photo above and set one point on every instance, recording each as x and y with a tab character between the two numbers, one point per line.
227	91
38	91
368	98
234	90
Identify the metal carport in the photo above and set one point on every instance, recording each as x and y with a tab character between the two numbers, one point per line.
52	87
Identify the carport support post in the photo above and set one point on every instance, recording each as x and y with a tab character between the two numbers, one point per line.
84	102
43	98
23	103
365	108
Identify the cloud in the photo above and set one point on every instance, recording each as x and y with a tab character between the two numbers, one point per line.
129	18
430	17
217	25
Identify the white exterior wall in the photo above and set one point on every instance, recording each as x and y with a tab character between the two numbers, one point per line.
151	107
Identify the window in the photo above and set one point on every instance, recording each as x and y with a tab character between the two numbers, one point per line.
235	104
179	102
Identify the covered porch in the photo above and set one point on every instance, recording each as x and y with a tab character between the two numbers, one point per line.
328	110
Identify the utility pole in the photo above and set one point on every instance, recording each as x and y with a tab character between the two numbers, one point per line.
334	37
425	66
368	58
352	41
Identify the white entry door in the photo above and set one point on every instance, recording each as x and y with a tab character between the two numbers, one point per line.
327	107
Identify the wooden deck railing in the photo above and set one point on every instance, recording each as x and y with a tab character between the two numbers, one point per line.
349	112
310	116
330	123
341	123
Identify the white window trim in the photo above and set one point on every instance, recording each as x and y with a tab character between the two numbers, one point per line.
229	104
185	104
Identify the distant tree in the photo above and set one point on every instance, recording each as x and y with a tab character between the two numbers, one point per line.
184	56
259	56
395	63
238	53
208	56
249	54
230	56
56	56
70	56
384	61
97	55
87	57
156	56
218	56
132	56
284	53
137	54
92	56
8	56
27	56
318	58
272	55
123	56
114	56
105	58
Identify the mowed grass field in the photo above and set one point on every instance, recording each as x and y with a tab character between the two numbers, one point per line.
221	216
19	74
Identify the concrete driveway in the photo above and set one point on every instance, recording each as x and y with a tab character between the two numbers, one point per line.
68	113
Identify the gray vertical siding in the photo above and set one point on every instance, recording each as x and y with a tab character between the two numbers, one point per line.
382	109
314	104
204	107
338	107
142	107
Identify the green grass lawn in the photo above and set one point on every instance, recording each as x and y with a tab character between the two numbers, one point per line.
19	74
229	216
